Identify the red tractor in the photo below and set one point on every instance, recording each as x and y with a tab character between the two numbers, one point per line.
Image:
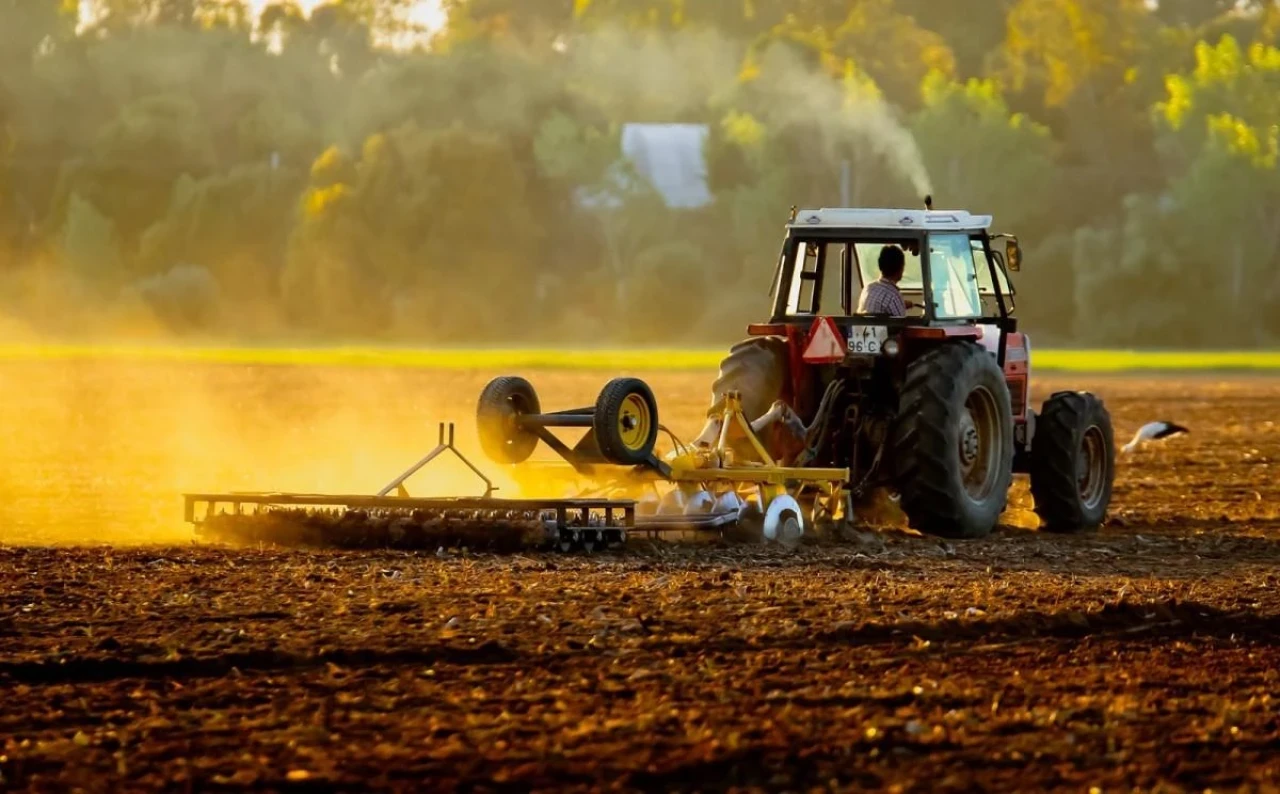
932	405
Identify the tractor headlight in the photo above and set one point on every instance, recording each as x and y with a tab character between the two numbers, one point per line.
891	348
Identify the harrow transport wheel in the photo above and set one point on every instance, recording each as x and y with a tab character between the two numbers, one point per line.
953	442
1072	462
502	402
626	421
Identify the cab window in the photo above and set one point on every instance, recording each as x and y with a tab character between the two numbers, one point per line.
818	280
984	270
953	278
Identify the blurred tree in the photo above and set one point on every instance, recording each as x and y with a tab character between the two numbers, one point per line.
535	23
113	16
429	231
973	31
1073	64
27	30
967	134
236	225
892	50
129	171
1061	47
1226	80
163	148
1220	132
338	35
89	244
1193	14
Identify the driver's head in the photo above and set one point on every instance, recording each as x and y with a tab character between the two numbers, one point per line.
892	263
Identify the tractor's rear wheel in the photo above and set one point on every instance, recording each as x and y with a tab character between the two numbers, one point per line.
626	421
1072	462
953	442
502	402
757	369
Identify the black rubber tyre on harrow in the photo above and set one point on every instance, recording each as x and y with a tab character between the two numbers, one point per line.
952	444
625	421
501	403
1072	462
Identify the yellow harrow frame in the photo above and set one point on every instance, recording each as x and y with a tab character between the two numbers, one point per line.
734	482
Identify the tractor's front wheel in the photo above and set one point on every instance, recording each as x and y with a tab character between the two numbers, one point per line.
1072	462
953	442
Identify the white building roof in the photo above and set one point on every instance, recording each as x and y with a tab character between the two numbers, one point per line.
671	157
932	220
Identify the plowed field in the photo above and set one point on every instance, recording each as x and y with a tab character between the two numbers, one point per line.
1145	655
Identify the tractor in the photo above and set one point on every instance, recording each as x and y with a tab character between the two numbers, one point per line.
820	407
931	406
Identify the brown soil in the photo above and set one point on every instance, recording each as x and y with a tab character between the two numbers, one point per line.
1143	656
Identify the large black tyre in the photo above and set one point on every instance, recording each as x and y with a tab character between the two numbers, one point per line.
626	421
1072	462
952	444
501	403
757	369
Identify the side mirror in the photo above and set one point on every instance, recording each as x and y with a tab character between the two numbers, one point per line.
1013	255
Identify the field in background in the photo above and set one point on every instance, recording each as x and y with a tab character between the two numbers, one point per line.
620	359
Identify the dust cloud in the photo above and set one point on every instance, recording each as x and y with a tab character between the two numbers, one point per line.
854	117
669	76
101	452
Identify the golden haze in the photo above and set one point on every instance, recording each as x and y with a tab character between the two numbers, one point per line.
101	452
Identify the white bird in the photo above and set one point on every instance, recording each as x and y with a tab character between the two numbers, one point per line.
1153	431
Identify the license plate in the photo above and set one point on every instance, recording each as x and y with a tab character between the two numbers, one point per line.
867	339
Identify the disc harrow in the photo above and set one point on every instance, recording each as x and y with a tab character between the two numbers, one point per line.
504	527
394	519
730	489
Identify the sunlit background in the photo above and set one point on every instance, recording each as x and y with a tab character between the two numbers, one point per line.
424	16
545	173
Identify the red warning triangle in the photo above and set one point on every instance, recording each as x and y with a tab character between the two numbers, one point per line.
826	345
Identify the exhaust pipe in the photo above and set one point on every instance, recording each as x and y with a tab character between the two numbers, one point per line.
928	202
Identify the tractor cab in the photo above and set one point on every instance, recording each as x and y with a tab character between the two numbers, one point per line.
954	276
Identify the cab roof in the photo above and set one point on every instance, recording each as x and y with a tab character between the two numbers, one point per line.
929	220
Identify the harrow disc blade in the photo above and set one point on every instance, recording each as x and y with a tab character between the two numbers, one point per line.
361	529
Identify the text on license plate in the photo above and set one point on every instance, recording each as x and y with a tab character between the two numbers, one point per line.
867	338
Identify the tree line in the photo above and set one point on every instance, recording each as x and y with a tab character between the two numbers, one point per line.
207	167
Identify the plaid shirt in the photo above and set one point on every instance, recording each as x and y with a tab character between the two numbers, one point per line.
882	297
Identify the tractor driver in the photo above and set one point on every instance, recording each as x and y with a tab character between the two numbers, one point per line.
882	296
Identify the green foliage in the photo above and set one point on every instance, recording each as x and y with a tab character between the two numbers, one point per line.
261	168
89	244
424	214
1065	46
892	49
234	224
981	155
1212	233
